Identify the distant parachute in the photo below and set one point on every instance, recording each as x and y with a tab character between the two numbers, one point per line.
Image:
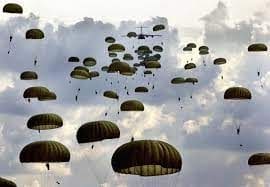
237	93
89	61
13	8
80	74
128	57
29	75
116	48
109	39
6	183
104	68
74	59
45	122
146	158
157	48
258	47
132	105
191	80
131	35
191	45
35	34
97	131
141	89
178	80
190	66
111	95
152	65
113	55
158	27
259	159
36	92
220	61
49	96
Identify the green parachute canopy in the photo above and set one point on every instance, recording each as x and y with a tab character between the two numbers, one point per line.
97	131
6	183
128	57
111	95
191	45
157	48
178	80
35	34
187	49
13	8
74	59
110	39
44	152
190	66
257	47
45	121
146	158
116	48
141	89
158	27
259	159
89	61
48	97
192	80
113	55
237	93
81	68
132	105
152	65
220	61
29	75
80	74
131	35
36	92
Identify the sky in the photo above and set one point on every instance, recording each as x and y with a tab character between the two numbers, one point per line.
204	131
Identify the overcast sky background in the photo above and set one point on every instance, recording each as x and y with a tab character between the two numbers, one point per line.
203	132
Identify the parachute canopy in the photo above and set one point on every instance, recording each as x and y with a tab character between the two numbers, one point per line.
258	47
259	159
97	131
132	105
220	61
178	80
116	48
45	122
13	8
141	89
29	75
89	61
35	34
158	27
109	39
74	59
146	158
44	152
111	95
237	93
6	183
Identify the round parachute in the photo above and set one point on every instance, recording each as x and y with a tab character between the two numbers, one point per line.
132	105
45	122
237	93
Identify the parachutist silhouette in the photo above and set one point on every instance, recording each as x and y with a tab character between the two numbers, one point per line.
258	73
222	77
127	93
8	52
238	130
10	38
148	83
132	139
79	89
29	100
92	147
191	97
179	99
57	182
76	98
96	92
48	166
241	145
106	113
35	62
118	112
111	83
153	87
162	43
125	88
181	107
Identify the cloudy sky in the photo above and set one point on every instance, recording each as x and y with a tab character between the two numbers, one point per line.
204	131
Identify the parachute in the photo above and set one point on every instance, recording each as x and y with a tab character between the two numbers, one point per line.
89	61
157	48
111	95
44	152
237	93
116	48
45	122
191	45
128	57
74	59
97	131
141	89
49	96
35	34
112	55
259	159
146	158
93	74
220	61
29	75
35	92
158	27
258	47
178	80
80	74
191	80
81	68
190	66
6	183
152	65
132	105
131	35
13	8
109	39
105	68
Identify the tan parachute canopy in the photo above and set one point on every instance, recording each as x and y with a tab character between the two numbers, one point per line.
146	158
141	89
110	39
132	105
178	80
158	27
97	131
6	183
89	61
34	34
220	61
258	47
190	66
74	59
237	93
111	95
29	75
13	8
44	152
116	48
259	159
45	121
